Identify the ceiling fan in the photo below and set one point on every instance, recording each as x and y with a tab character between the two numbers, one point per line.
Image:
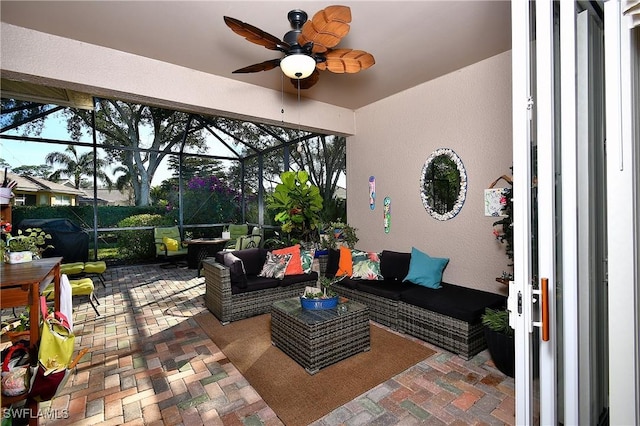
308	47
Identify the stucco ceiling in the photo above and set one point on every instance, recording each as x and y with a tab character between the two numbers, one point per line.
412	42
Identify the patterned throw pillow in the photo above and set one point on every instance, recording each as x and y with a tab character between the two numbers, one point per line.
366	265
275	265
295	264
306	257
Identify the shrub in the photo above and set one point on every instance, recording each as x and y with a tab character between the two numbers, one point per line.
138	244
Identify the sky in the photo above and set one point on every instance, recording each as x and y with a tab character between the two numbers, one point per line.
19	153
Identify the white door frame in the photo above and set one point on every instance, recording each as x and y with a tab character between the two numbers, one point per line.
568	136
623	220
520	295
546	176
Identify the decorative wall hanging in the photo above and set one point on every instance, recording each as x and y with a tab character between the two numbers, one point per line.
372	192
443	184
492	202
387	215
494	198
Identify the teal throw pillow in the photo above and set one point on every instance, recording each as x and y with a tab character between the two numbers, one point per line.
425	270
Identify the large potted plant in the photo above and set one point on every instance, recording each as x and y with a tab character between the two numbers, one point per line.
297	203
336	233
499	336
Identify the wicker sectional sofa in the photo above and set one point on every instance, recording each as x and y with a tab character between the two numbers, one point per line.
234	290
448	317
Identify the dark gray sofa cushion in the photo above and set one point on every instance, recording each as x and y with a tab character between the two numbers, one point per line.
298	278
349	283
255	283
389	289
463	303
332	263
394	265
253	259
236	270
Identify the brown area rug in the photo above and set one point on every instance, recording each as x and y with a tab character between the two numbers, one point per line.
297	397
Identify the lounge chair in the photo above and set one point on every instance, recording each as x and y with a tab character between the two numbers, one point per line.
169	245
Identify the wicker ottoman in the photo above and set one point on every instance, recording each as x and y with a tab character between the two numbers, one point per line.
316	339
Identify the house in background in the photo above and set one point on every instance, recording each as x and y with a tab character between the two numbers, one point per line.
107	197
34	191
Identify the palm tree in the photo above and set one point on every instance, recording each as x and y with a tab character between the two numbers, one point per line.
76	166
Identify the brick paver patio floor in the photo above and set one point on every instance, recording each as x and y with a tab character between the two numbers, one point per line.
149	363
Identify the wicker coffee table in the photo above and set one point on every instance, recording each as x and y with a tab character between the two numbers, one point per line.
316	339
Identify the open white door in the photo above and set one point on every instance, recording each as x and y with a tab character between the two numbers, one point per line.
555	302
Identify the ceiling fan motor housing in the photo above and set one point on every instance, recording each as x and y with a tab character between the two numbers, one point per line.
297	18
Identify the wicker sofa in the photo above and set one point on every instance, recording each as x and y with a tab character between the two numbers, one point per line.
448	317
234	289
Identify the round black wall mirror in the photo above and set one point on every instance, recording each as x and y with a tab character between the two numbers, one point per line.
443	184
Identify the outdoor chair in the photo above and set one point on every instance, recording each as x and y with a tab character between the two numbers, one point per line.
249	241
96	268
169	245
80	287
235	232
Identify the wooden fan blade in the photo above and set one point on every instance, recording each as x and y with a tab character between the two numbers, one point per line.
256	35
327	27
346	61
306	83
262	66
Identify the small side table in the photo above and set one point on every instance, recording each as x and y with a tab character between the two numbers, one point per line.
316	339
200	248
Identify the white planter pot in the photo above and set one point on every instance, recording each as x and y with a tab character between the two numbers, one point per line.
19	256
5	196
226	235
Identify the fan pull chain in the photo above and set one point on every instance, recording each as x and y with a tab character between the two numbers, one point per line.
282	97
299	140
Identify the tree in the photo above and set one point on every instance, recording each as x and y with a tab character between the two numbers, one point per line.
195	166
140	137
76	166
325	159
41	171
32	114
322	156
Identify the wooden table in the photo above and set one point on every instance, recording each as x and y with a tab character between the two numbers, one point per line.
21	285
200	248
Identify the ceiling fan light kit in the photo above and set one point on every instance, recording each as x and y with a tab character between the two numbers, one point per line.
308	47
298	65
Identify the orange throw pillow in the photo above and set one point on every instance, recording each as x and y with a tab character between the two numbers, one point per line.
295	264
345	264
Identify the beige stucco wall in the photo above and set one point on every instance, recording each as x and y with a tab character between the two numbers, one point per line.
46	59
468	111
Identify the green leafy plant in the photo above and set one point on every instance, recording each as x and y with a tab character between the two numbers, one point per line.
497	320
325	291
297	204
339	232
34	240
